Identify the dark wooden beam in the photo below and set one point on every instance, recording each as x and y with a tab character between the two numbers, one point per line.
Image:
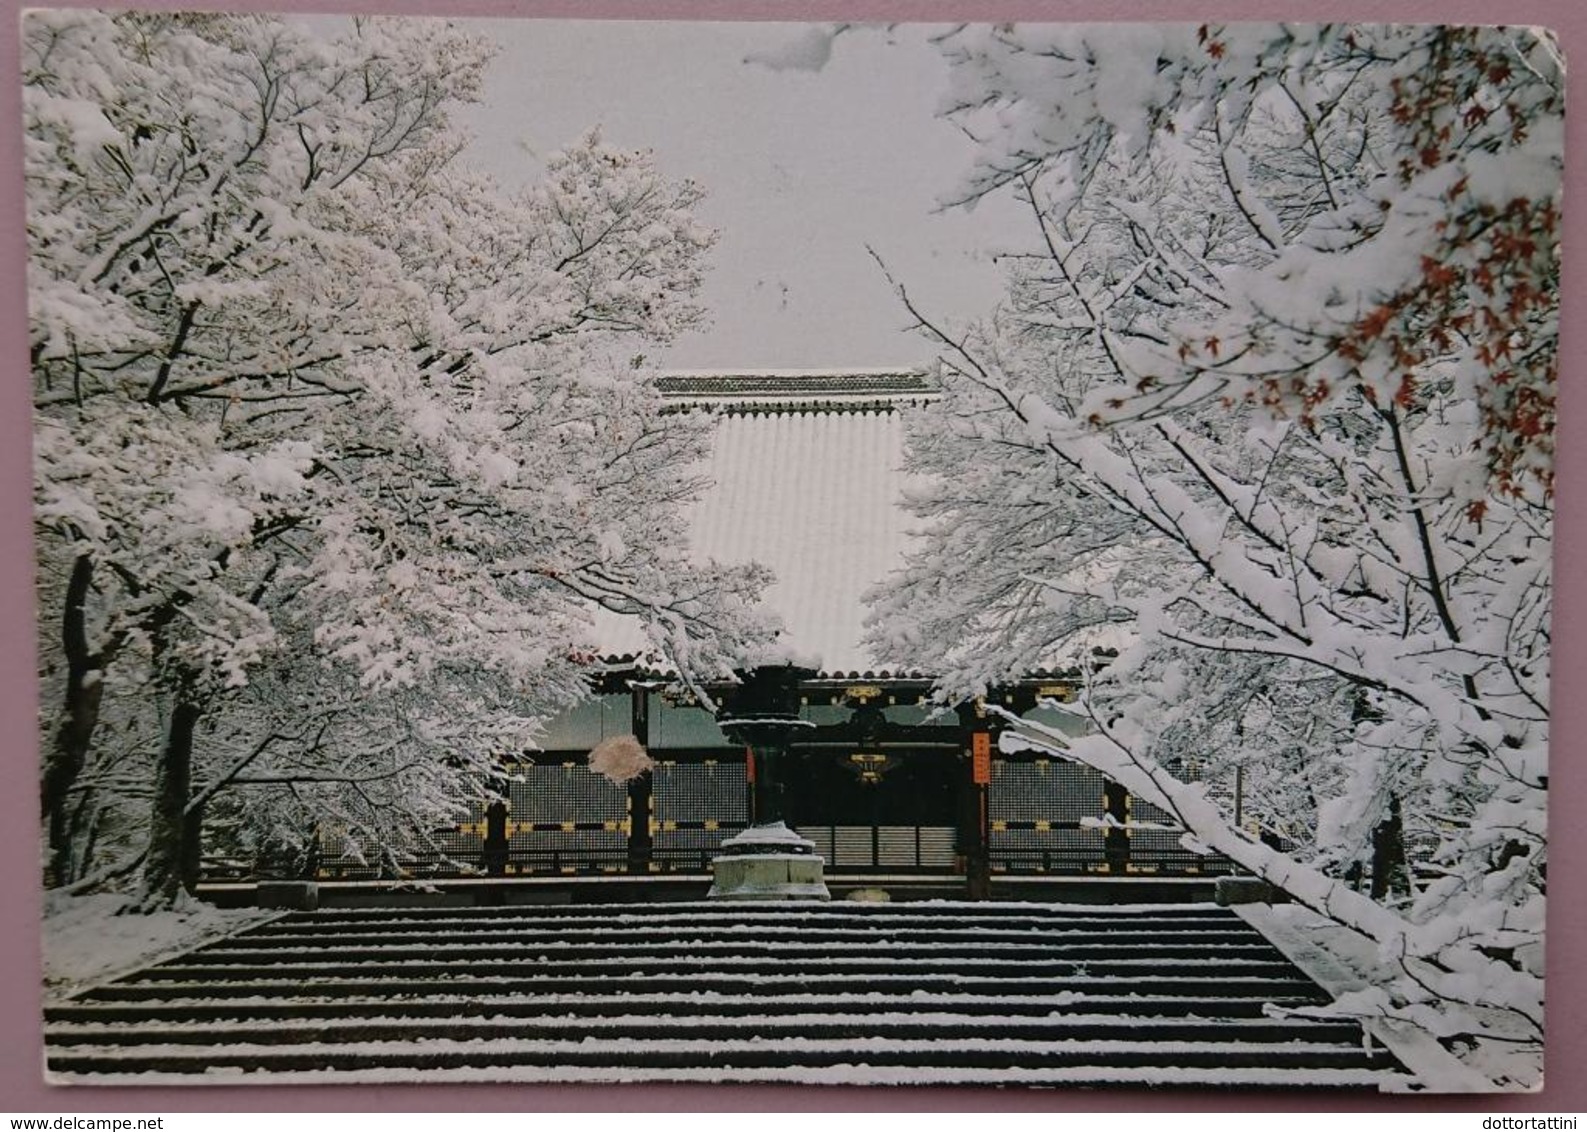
640	842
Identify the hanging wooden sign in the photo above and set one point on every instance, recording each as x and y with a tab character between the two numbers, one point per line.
981	758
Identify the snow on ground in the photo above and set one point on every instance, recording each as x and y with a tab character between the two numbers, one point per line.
86	942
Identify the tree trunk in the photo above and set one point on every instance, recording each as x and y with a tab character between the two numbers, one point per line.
82	832
192	847
1389	871
163	867
66	756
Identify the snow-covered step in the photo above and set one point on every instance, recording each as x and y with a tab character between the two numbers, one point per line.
504	945
831	916
852	1073
621	964
299	934
951	993
962	1051
165	1011
920	1027
901	981
835	914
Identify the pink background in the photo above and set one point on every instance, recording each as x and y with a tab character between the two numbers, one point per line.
21	1086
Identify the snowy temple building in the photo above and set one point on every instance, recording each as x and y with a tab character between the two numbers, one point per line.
806	480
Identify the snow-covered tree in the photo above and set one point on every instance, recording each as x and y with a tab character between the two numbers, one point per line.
310	394
1271	406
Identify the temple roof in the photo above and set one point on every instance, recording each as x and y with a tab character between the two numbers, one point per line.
807	480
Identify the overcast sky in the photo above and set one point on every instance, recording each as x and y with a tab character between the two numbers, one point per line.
804	169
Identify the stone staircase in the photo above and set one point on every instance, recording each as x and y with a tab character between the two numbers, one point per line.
914	993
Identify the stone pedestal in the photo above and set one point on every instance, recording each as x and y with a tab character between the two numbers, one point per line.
768	862
298	895
1246	890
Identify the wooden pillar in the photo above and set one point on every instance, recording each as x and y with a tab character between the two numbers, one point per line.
1116	839
975	821
640	842
493	852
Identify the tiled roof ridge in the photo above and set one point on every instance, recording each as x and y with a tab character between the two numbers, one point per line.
817	386
645	666
751	407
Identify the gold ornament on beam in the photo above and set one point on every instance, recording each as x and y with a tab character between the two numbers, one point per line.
869	766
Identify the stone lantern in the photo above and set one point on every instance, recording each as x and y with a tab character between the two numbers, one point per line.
768	861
